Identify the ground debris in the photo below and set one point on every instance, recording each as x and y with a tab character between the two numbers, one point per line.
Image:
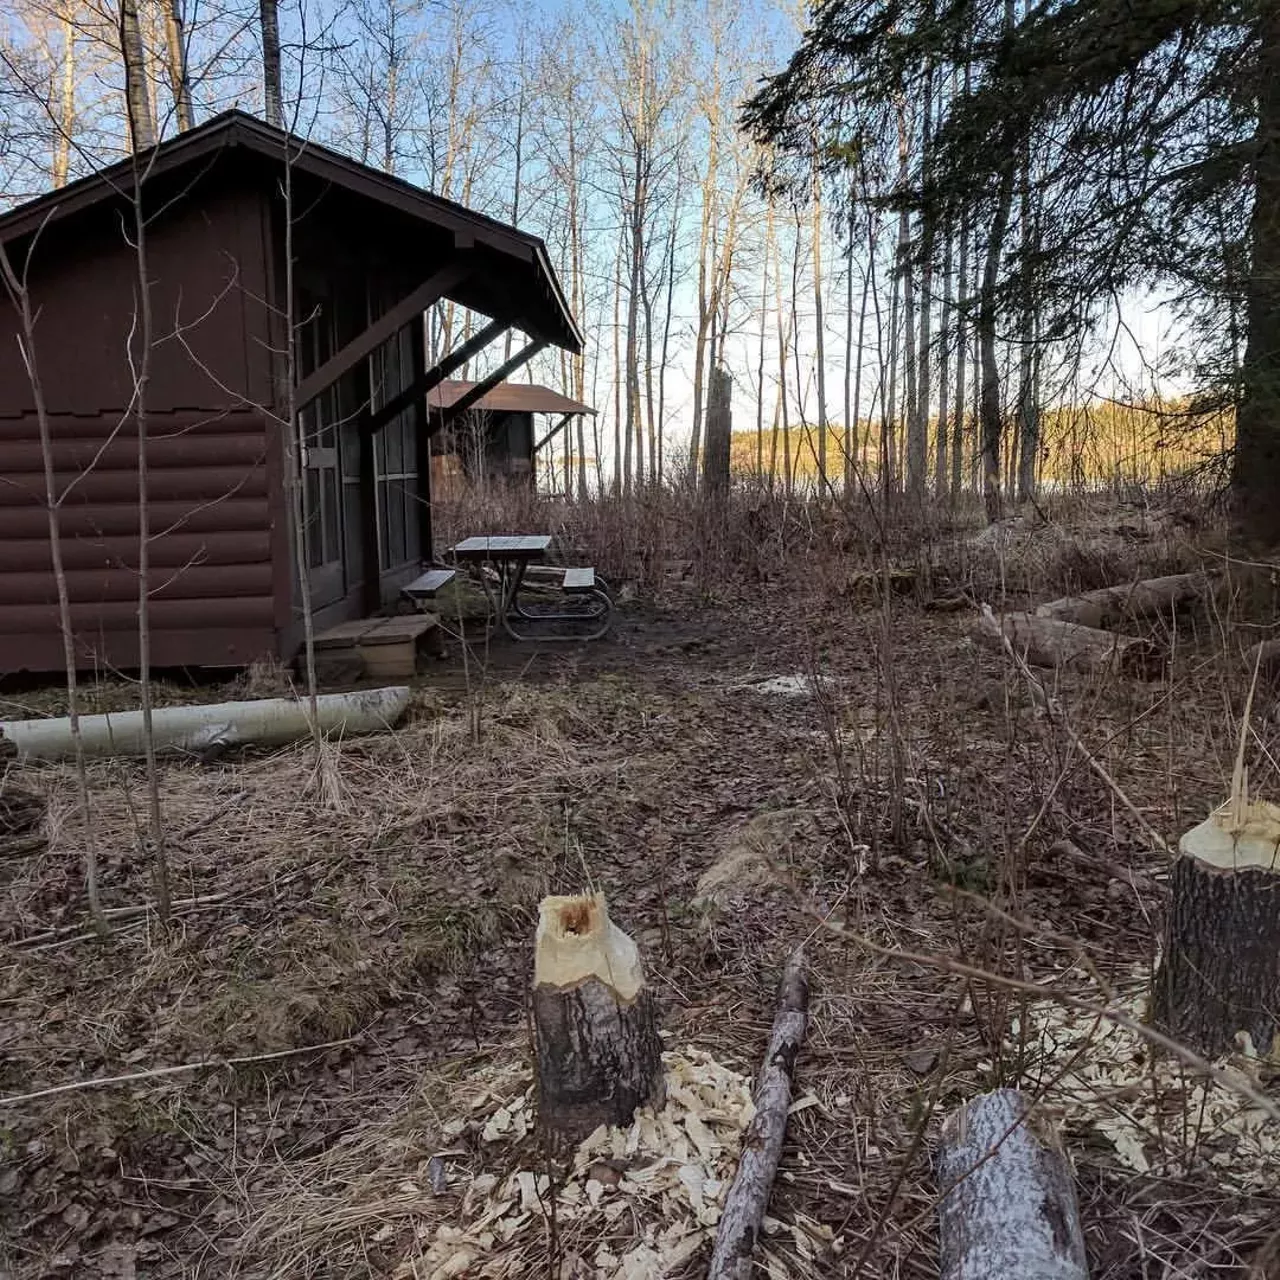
1150	1110
668	1175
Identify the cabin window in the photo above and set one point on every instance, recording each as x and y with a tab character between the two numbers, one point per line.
396	455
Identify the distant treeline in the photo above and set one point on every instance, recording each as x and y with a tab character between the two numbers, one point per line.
1081	446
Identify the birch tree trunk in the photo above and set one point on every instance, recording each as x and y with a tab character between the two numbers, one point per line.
67	98
944	373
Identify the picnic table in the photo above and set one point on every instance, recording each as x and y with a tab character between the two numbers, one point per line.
584	612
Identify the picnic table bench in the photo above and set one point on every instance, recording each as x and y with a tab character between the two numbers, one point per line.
585	613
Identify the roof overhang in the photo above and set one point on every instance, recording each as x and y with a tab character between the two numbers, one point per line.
546	317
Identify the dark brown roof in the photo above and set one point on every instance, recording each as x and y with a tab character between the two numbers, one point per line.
548	318
509	397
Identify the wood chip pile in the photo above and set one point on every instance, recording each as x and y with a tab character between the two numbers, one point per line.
1155	1114
636	1203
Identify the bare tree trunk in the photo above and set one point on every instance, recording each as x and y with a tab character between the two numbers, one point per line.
660	473
706	289
924	388
67	97
137	95
1028	409
991	415
176	48
719	432
917	446
944	374
617	367
764	320
272	94
962	363
820	346
20	296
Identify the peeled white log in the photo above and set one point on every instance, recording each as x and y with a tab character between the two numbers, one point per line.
748	1198
266	722
1008	1209
1150	597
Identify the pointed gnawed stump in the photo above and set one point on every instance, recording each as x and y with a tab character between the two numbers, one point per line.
1219	978
595	1024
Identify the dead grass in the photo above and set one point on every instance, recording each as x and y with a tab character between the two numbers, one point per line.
387	892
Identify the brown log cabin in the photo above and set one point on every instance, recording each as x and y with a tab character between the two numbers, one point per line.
226	206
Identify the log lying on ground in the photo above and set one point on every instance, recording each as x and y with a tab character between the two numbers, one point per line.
595	1024
1219	977
1049	642
1148	598
1264	656
1008	1209
267	722
748	1198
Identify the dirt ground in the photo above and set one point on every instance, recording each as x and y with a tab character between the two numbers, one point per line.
379	902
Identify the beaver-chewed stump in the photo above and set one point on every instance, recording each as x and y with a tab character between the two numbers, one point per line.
1218	987
595	1024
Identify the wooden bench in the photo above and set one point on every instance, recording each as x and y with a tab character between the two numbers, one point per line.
425	586
579	581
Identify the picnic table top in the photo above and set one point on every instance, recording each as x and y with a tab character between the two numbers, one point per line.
504	546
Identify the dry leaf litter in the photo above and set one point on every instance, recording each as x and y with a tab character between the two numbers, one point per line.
636	1203
1151	1111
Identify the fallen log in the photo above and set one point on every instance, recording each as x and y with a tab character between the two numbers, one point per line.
1050	642
748	1198
1008	1208
1263	657
1150	597
1218	985
266	722
594	1020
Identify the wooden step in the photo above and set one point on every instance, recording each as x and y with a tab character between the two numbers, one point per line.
386	648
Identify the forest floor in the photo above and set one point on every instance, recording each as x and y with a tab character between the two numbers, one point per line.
367	917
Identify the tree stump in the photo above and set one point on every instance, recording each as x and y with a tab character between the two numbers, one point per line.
1008	1209
1219	978
595	1023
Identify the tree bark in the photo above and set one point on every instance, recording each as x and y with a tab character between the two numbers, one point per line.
595	1024
1256	475
176	48
748	1198
272	96
137	95
1051	642
66	119
1219	979
719	431
1008	1209
991	416
1151	597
